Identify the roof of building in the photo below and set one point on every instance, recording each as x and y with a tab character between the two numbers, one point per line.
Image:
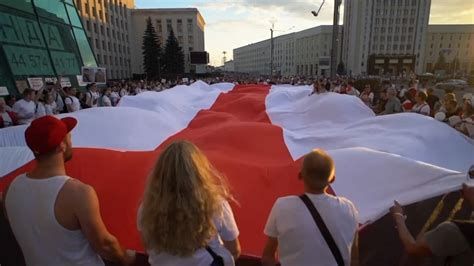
450	28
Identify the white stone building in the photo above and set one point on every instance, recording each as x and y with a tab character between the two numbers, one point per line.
188	27
107	25
385	36
456	42
305	53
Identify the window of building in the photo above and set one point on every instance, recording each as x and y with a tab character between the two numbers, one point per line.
169	26
94	11
97	43
190	40
110	46
84	47
103	46
99	57
95	28
190	25
180	26
88	25
395	47
111	61
102	29
408	46
115	47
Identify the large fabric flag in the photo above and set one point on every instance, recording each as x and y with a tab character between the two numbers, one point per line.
256	135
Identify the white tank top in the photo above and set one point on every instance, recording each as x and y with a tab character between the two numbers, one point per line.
30	210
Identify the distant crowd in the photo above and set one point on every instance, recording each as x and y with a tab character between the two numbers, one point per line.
395	96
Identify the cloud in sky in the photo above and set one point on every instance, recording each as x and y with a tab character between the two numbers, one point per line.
234	23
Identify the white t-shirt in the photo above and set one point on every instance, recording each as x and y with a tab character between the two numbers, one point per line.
299	240
123	92
423	109
25	111
7	120
352	91
227	230
106	101
59	103
74	102
50	109
114	97
40	110
92	98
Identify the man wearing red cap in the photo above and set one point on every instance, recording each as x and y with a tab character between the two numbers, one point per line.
55	218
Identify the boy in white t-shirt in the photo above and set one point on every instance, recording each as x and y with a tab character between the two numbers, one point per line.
25	108
292	229
71	101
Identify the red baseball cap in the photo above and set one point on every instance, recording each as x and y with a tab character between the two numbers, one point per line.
46	133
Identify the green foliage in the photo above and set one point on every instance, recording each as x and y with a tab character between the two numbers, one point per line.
151	52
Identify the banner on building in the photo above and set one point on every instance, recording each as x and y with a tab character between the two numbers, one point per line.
94	75
3	91
36	83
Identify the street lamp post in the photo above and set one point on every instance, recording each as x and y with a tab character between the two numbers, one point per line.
271	52
335	38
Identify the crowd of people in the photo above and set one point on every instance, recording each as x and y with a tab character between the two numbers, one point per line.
389	98
185	217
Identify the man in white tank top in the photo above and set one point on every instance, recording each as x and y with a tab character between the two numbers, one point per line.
55	218
292	229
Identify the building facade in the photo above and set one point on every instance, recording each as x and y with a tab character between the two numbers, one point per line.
455	42
41	38
187	25
385	36
107	25
306	53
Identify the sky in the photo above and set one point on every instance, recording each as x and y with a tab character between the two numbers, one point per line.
234	23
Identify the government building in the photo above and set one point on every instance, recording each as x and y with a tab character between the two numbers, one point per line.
47	38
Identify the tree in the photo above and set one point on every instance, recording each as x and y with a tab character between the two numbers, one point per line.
151	51
441	62
173	58
341	69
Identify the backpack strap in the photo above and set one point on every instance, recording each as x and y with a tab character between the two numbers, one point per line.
323	229
217	260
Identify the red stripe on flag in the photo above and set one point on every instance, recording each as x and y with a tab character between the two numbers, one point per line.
239	139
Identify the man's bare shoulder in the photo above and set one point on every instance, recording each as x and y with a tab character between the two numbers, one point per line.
76	189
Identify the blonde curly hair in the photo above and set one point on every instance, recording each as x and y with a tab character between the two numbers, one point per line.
183	196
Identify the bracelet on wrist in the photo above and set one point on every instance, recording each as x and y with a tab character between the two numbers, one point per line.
400	215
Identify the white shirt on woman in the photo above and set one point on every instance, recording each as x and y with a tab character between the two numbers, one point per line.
226	229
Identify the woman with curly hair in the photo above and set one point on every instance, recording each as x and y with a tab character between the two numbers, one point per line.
185	217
